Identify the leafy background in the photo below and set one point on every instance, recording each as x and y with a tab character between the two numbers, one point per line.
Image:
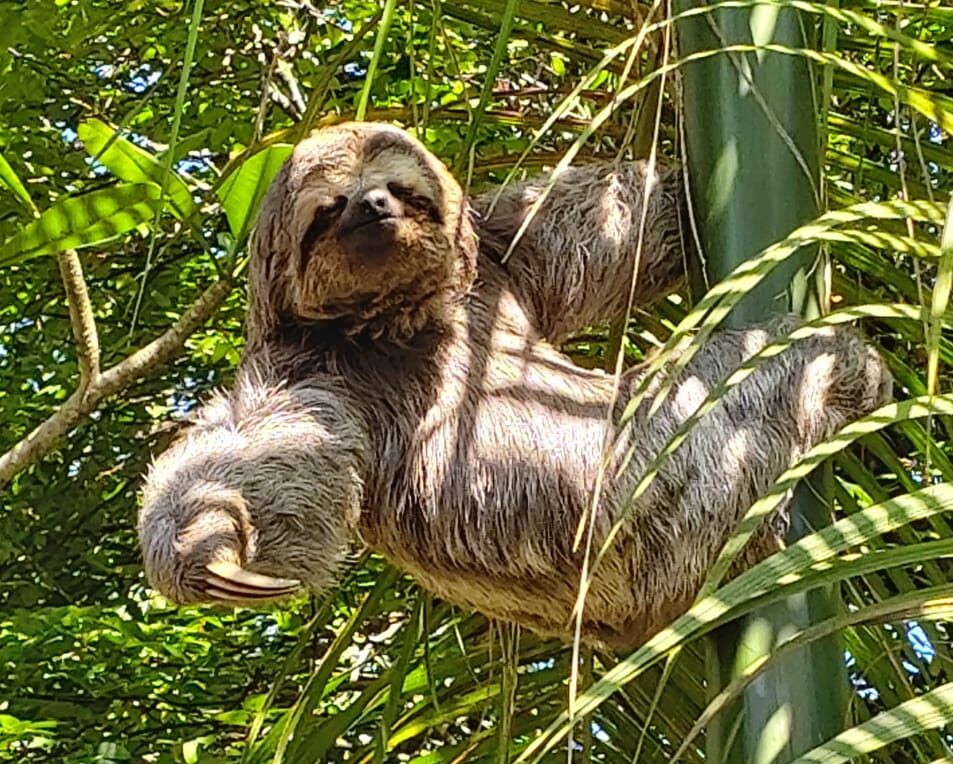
100	113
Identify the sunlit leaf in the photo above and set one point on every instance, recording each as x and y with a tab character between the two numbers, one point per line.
242	191
931	710
83	221
11	180
131	163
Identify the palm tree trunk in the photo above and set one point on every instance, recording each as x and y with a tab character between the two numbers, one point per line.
751	127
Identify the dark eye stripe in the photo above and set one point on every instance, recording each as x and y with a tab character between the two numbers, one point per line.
324	218
417	201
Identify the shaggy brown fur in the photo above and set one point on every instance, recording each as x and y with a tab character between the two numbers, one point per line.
572	266
466	449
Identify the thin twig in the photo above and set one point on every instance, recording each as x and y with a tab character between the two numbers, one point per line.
84	401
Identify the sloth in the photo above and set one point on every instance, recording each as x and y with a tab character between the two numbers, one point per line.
401	388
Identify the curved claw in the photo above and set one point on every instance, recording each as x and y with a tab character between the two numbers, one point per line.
223	595
229	581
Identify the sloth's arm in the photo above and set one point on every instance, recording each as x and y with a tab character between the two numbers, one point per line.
574	264
258	497
730	458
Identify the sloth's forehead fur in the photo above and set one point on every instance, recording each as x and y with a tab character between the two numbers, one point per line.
339	160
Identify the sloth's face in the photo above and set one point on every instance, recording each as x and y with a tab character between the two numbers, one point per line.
361	213
366	194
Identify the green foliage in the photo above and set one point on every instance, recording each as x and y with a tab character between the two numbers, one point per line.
127	161
84	221
154	172
242	191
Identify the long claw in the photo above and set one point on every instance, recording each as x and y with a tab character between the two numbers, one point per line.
225	595
230	581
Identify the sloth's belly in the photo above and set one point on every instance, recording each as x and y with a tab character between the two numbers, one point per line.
617	614
484	508
478	485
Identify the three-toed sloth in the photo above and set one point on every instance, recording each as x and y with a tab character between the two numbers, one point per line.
401	387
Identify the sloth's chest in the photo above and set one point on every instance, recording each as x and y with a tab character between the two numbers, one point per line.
480	457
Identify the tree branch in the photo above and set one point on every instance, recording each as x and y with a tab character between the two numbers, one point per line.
81	318
84	401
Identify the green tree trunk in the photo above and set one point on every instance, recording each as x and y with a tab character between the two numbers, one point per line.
751	123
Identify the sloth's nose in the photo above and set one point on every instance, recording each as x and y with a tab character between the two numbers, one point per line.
371	206
377	201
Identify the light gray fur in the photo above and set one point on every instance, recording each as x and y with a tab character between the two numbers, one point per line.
573	265
467	452
231	488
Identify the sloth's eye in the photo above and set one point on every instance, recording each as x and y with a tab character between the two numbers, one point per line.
334	208
400	190
324	218
418	201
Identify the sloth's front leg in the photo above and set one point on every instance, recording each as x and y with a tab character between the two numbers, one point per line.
258	498
574	264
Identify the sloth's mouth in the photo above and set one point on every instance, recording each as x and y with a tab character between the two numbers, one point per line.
361	225
228	582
